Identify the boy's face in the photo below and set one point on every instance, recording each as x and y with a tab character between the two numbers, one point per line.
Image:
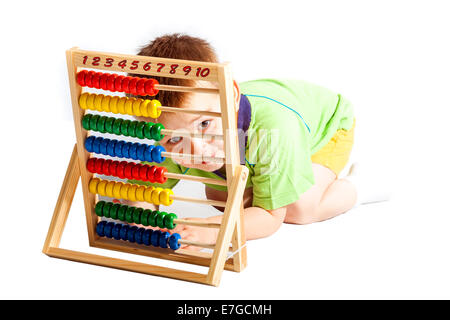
193	123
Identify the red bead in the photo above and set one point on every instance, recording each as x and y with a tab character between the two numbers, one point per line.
143	172
88	78
99	166
118	83
151	174
96	80
105	167
128	168
113	168
110	82
80	78
135	171
125	83
102	81
121	169
160	175
140	85
90	165
132	85
149	87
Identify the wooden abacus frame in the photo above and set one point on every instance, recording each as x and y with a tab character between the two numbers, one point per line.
230	230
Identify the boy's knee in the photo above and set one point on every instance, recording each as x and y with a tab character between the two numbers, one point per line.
303	212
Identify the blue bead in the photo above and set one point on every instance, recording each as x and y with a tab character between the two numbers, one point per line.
138	235
155	238
126	150
173	241
156	154
104	146
100	228
118	149
110	149
148	153
88	144
163	238
146	236
124	232
96	144
133	151
116	231
140	152
131	233
108	229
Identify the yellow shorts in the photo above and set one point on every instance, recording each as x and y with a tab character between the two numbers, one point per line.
335	154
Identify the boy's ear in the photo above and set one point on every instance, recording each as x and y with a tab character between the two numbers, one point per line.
237	94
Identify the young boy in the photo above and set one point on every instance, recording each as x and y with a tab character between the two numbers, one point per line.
297	139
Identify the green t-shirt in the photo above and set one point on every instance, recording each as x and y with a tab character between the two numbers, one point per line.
288	121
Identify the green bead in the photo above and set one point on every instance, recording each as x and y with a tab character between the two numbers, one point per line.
160	219
93	122
85	121
109	124
152	218
140	129
144	217
156	131
99	208
121	212
106	209
132	129
148	130
137	215
116	126
124	127
129	214
168	221
114	211
101	124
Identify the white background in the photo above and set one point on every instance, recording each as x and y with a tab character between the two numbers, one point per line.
390	58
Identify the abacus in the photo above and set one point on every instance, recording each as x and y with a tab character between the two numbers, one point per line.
122	159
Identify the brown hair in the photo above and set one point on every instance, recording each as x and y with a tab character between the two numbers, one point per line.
177	46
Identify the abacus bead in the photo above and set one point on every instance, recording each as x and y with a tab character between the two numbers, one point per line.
109	189
99	208
121	169
124	232
152	218
93	185
129	214
155	110
157	175
93	122
90	165
85	122
127	170
121	105
101	190
117	126
140	86
137	107
144	217
168	221
138	235
96	80
82	101
135	171
110	150
140	152
113	169
163	239
160	219
106	209
140	193
126	150
143	172
88	78
100	228
101	124
154	239
124	127
148	153
108	229
140	129
149	87
96	144
131	233
116	231
80	78
121	212
110	82
155	195
118	150
146	236
156	154
98	165
163	178
105	167
173	241
114	211
102	81
90	101
104	146
144	108
164	197
118	83
98	102
156	132
132	129
133	151
124	191
132	86
132	192
148	130
151	174
137	215
109	124
113	107
148	194
129	106
88	144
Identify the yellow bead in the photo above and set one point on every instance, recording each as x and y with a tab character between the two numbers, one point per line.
137	107
164	197
116	189
98	102
144	108
109	189
82	101
155	111
148	194
121	105
105	103
90	101
155	195
124	191
93	185
101	187
140	193
113	104
132	192
129	106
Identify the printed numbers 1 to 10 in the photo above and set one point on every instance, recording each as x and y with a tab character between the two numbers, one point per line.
135	64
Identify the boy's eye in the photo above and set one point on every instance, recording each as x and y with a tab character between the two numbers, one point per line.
205	124
174	140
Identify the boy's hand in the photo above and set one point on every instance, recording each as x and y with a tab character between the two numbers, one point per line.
199	234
